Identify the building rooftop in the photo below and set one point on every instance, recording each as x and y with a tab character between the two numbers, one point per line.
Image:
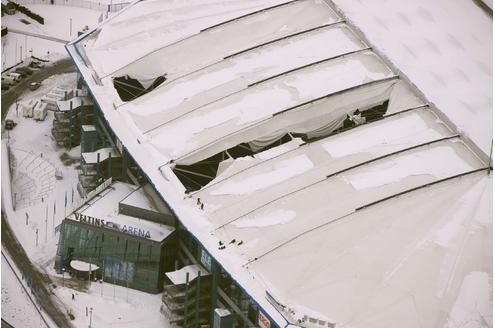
181	276
417	38
381	224
104	153
106	208
140	199
73	103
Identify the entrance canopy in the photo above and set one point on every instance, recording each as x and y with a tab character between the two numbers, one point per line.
83	266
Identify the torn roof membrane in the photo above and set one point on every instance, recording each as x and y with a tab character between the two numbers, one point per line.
236	113
234	74
314	191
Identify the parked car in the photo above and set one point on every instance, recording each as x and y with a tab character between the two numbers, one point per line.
36	64
21	73
9	124
10	8
34	85
16	76
25	70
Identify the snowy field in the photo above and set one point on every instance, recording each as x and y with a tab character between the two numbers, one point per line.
129	309
11	49
39	207
61	22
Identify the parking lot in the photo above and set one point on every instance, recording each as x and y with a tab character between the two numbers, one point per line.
9	96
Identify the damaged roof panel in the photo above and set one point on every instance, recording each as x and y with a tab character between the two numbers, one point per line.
232	75
239	111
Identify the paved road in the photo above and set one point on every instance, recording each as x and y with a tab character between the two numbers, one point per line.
41	36
8	97
39	281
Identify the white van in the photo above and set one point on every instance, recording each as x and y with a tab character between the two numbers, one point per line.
40	111
16	76
28	107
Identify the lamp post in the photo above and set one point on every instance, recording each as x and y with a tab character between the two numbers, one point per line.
90	316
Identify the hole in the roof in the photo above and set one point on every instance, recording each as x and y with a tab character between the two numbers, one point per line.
130	88
196	176
359	117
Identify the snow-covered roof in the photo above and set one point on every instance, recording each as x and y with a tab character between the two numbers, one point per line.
140	199
103	153
181	276
303	214
73	103
88	128
418	37
104	212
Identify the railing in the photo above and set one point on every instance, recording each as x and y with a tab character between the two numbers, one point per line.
94	5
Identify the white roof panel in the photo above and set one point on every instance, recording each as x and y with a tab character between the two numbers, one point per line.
418	37
174	33
309	202
388	265
183	57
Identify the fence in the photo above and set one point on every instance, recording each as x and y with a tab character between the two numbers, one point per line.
94	5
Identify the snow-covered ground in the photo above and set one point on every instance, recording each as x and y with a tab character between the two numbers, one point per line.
11	49
39	203
129	309
35	156
62	22
17	308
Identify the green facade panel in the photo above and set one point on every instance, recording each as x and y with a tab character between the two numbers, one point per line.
123	259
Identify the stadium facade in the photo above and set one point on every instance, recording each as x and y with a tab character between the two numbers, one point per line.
305	181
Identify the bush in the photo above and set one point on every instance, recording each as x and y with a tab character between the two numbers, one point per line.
28	13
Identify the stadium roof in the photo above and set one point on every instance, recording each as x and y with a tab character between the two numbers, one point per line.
382	224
